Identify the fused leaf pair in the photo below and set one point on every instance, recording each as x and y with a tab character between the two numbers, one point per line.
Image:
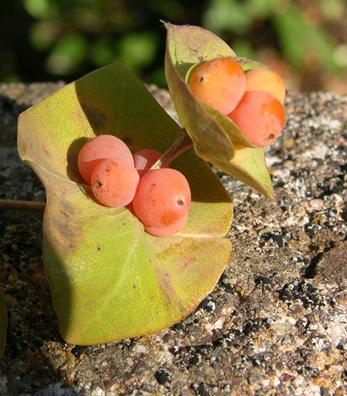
216	138
109	279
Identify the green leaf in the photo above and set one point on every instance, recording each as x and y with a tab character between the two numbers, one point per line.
262	9
215	137
109	279
41	9
315	44
43	34
3	321
67	54
227	15
137	50
102	52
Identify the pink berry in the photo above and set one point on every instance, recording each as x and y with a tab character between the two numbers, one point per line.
114	183
144	159
162	201
99	148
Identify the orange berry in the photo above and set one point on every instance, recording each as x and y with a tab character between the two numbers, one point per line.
220	83
260	117
266	80
168	230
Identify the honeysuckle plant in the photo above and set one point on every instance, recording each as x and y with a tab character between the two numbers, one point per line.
109	279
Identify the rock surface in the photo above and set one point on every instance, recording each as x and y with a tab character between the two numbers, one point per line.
276	324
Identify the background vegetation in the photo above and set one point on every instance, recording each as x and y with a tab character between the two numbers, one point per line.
42	40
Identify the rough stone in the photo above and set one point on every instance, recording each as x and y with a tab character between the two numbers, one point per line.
276	323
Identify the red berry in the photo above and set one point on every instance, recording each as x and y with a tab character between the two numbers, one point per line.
162	201
260	117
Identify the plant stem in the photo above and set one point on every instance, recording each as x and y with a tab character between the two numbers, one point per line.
18	204
182	144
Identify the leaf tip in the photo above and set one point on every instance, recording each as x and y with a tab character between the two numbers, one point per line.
269	193
166	24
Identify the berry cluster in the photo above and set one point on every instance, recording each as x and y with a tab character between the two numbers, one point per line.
160	198
253	100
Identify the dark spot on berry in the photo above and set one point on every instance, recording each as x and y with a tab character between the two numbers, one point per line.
180	202
201	79
271	136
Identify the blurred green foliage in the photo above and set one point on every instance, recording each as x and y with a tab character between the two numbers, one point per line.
296	37
55	39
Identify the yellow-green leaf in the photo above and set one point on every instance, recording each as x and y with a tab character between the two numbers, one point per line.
109	279
215	137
